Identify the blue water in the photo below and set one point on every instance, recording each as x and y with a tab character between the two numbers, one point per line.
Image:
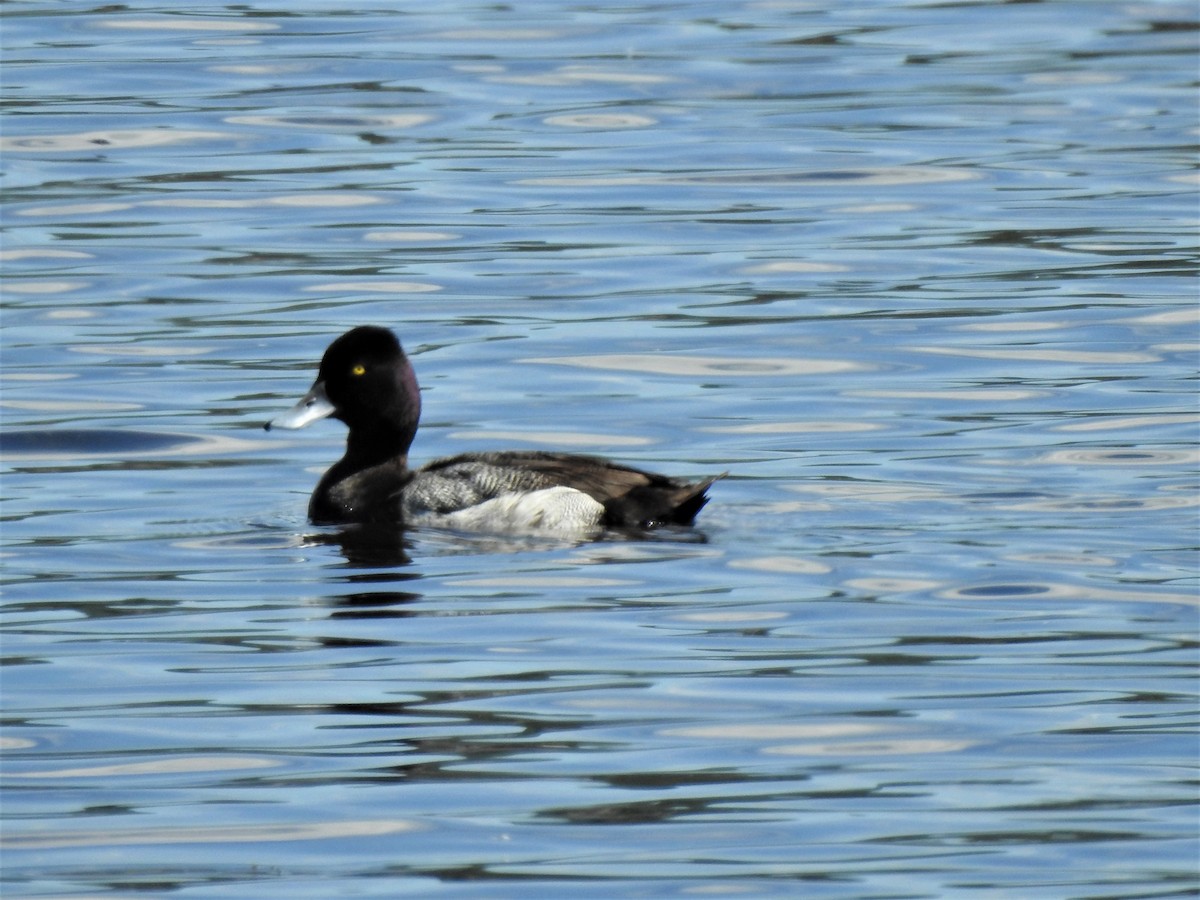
920	277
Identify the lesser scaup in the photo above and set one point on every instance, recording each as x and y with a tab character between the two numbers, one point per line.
366	380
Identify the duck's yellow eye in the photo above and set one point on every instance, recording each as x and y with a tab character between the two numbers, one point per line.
359	369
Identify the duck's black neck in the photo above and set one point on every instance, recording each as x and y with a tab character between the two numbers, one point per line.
380	443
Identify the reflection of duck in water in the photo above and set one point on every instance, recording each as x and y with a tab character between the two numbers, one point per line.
366	381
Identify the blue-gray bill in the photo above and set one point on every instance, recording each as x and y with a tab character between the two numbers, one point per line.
312	406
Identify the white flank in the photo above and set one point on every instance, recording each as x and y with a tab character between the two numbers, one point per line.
554	510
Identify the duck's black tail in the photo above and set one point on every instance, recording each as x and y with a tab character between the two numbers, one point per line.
667	502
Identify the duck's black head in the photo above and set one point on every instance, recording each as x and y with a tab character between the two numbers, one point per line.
366	381
369	380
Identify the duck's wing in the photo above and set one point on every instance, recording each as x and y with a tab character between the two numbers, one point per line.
631	497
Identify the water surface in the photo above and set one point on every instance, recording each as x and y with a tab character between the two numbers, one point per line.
920	277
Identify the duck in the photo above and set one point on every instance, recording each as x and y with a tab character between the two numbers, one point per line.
366	381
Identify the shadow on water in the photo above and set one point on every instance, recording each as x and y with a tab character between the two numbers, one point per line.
374	545
366	547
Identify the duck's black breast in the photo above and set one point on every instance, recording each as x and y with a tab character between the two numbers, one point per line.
367	494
